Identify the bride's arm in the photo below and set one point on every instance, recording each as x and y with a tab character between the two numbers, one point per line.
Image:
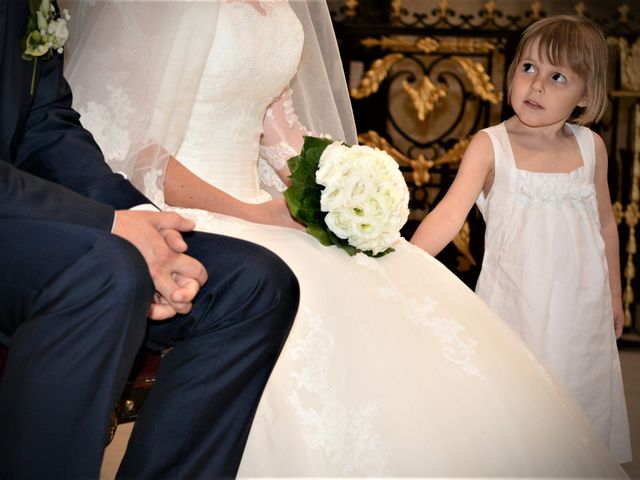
182	188
282	138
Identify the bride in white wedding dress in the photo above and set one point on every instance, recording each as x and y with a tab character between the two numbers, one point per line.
393	367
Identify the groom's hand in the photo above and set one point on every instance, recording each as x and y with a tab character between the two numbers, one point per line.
177	277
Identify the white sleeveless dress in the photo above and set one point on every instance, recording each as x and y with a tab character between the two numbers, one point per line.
393	366
545	273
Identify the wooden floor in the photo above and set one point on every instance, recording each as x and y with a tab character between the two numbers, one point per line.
629	357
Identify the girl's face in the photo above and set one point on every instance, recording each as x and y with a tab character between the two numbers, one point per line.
543	94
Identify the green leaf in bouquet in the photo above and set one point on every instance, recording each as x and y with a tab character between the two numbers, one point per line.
303	197
315	142
303	171
293	196
320	233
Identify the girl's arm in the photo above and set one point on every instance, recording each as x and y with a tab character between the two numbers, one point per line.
444	222
609	232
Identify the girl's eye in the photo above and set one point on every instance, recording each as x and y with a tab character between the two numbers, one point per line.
528	67
559	78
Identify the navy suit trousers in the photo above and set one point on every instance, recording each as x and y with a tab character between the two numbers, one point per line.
73	301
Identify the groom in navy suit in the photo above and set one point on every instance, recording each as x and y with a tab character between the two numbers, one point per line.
79	274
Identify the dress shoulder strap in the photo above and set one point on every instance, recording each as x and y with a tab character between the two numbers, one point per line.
502	154
584	137
503	162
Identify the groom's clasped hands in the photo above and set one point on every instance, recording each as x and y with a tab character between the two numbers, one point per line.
176	277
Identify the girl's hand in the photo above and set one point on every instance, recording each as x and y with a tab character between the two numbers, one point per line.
618	316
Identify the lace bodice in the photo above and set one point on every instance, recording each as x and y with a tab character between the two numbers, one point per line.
244	74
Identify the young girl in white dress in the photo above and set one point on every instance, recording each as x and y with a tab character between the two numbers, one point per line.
550	267
393	367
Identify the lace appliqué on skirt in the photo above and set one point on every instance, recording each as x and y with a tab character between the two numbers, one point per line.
448	331
345	434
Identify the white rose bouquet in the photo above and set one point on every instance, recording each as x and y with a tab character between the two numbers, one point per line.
354	197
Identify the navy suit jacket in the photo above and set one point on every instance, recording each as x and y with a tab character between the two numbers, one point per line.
50	167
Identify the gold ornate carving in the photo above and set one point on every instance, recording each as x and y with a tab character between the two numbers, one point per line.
375	75
398	44
482	85
631	219
429	45
618	212
490	8
624	10
466	45
462	241
351	7
425	97
396	7
629	63
443	6
373	139
420	167
536	11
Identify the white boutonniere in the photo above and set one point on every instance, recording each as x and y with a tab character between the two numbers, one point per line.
46	32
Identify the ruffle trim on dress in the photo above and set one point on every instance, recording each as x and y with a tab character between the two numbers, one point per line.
556	191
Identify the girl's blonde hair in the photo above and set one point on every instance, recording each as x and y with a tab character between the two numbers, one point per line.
579	44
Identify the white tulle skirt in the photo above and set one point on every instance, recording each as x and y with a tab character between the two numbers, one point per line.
395	368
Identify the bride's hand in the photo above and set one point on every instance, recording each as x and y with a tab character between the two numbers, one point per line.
274	212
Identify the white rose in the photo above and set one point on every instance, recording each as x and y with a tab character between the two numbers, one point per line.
59	32
365	196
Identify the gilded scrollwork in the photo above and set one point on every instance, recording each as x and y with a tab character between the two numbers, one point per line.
397	44
375	75
490	9
483	87
429	45
466	45
536	11
462	242
420	166
426	94
629	63
631	217
624	10
424	97
443	8
351	5
396	8
618	212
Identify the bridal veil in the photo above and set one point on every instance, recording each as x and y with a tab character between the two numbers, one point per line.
135	67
